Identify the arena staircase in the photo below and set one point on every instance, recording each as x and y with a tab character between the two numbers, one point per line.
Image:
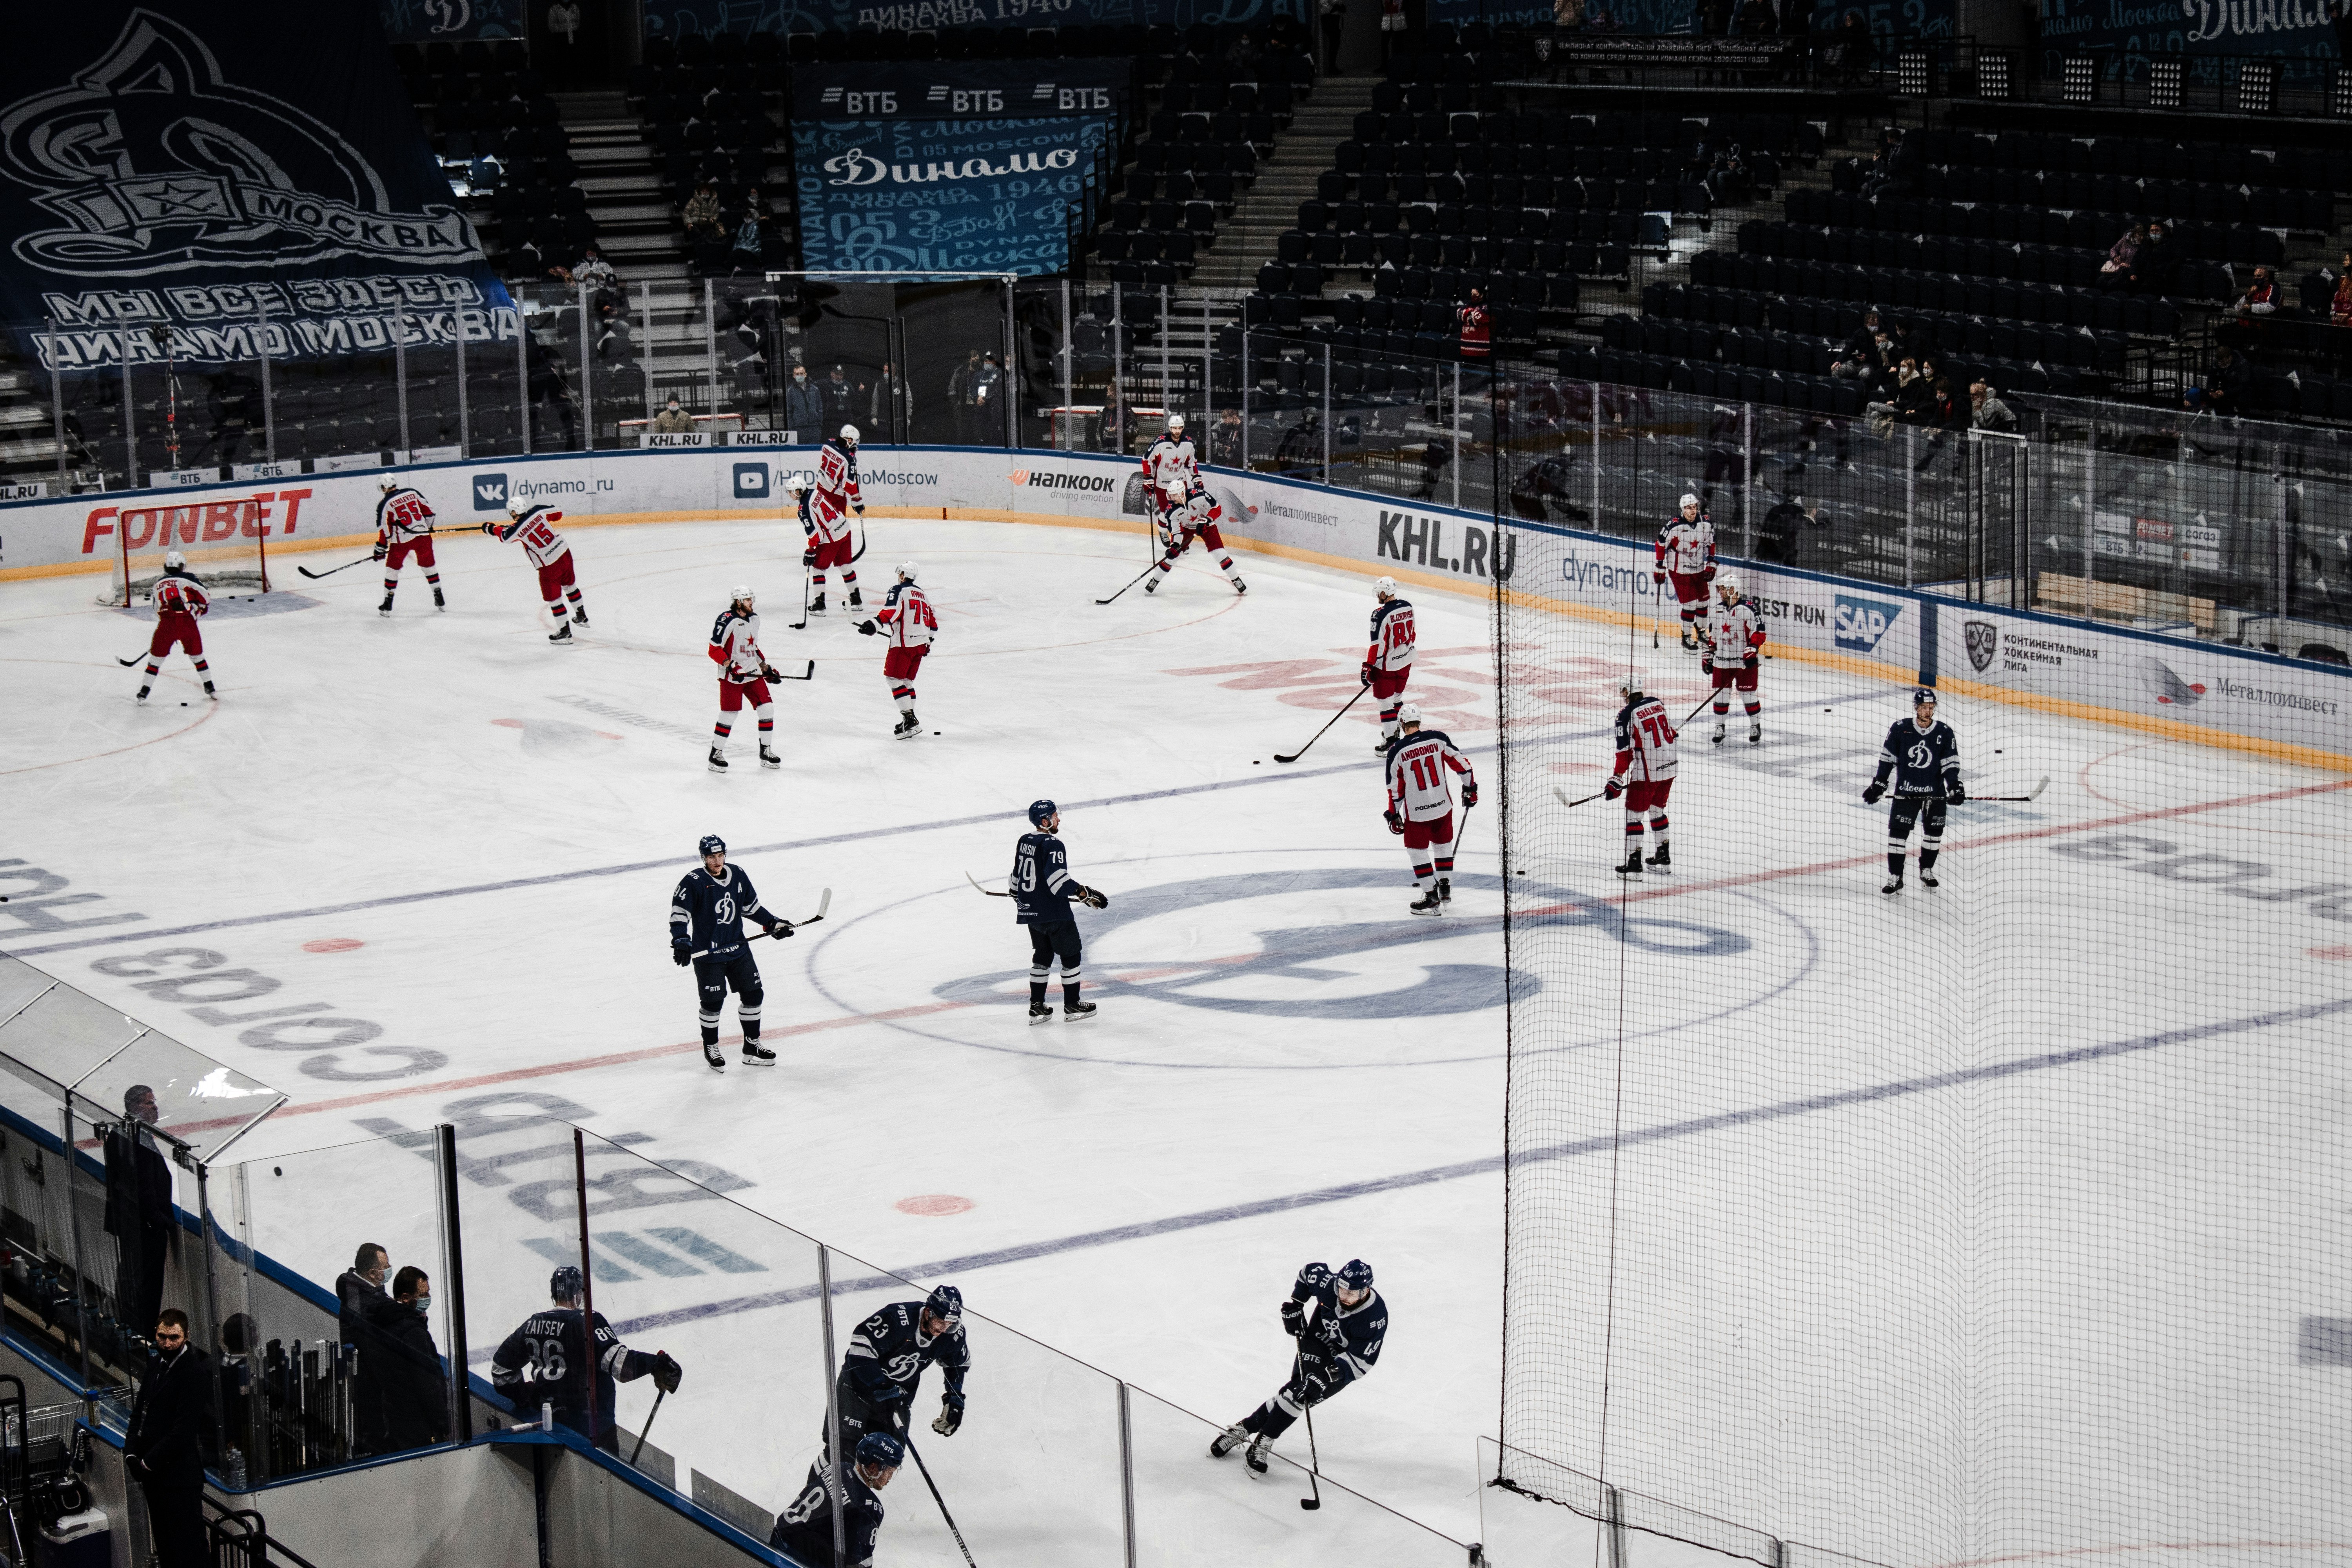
1247	240
636	228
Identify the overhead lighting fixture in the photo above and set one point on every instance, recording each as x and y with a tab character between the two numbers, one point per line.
2164	83
1993	73
2339	94
2080	83
2257	85
1911	71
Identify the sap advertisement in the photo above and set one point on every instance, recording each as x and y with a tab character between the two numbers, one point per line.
191	181
952	168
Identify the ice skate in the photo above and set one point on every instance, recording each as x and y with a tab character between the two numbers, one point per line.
1039	1013
816	606
906	728
1716	739
1893	883
142	694
1153	586
384	608
441	603
1755	731
1429	903
1240	587
1381	747
1226	1441
717	760
1446	889
1633	866
768	758
1078	1012
1928	876
1260	1447
756	1055
210	695
856	600
563	634
579	617
1663	861
710	1055
1690	641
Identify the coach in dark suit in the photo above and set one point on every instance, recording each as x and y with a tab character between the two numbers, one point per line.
170	1430
138	1211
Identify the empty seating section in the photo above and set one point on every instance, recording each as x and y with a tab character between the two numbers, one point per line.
2207	249
482	103
2289	188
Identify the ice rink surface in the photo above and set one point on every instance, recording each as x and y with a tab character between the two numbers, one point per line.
441	828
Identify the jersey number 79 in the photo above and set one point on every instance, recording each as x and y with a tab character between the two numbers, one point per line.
1025	870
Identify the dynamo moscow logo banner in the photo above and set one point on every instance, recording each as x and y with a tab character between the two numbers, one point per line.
184	165
916	196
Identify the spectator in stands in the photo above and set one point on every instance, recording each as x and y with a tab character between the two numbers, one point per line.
2114	273
673	420
2339	304
138	1209
1863	357
2260	297
2225	382
1476	329
988	395
172	1428
1333	15
1854	47
1228	449
704	231
1727	178
1987	411
1242	57
1392	22
841	398
960	382
804	406
415	1397
890	413
2157	265
1781	533
1895	395
359	1301
750	252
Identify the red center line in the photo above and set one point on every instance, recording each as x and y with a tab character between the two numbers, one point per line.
929	1009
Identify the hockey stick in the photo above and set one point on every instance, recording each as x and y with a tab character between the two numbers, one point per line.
1572	804
975	882
771	675
1335	718
332	570
906	1437
788	927
659	1394
803	622
1139	577
2033	794
1315	1460
126	663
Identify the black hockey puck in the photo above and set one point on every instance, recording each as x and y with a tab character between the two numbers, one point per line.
183	705
1254	761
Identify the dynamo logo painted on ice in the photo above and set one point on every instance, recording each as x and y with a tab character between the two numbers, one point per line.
1857	625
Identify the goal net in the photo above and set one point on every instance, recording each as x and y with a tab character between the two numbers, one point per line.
226	543
2003	1221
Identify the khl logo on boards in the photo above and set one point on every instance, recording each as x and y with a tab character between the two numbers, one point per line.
489	492
750	480
1858	623
1984	642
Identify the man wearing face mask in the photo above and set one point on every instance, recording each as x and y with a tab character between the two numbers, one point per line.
415	1398
804	406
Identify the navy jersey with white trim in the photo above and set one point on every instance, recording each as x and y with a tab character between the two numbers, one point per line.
1350	1336
890	1350
1041	883
544	1360
707	912
810	1515
1924	762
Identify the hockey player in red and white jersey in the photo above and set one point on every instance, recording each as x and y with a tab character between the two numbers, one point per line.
180	602
906	619
743	676
1388	663
1734	634
1645	774
1190	517
1171	470
837	497
1420	806
1686	552
404	528
552	558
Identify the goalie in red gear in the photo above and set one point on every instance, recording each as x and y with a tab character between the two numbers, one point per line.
179	601
1192	514
404	529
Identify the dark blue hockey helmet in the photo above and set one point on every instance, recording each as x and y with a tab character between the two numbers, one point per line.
1355	1274
713	845
881	1450
1039	810
1923	694
948	1302
566	1284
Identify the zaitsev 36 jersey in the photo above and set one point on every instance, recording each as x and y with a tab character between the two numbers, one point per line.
1392	636
402	516
539	540
735	646
1646	741
906	616
1686	548
1418	766
179	593
1733	632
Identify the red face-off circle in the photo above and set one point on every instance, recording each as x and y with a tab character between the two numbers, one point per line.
933	1204
332	945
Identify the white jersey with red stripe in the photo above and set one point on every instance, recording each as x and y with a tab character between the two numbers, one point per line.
1393	636
178	593
1199	511
539	540
905	616
1170	461
836	475
1686	548
1646	741
402	516
735	646
1732	631
1418	765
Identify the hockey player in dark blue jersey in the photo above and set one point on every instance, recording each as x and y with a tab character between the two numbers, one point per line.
876	1389
546	1361
1042	890
706	928
803	1529
1337	1345
1924	758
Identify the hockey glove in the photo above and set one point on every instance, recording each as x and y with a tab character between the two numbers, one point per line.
951	1413
1659	578
1706	664
866	628
1396	823
681	955
1956	792
1313	1277
859	507
1870	795
808	557
667	1374
1748	659
1094	898
1294	1319
1470	794
1613	788
377	553
1369	672
1709	576
780	930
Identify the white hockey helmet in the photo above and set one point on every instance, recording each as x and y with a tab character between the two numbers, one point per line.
387	484
1174	490
1689	500
1728	586
798	484
516	508
1410	714
849	434
1629	686
175	562
1383	586
741	594
1176	423
909	570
